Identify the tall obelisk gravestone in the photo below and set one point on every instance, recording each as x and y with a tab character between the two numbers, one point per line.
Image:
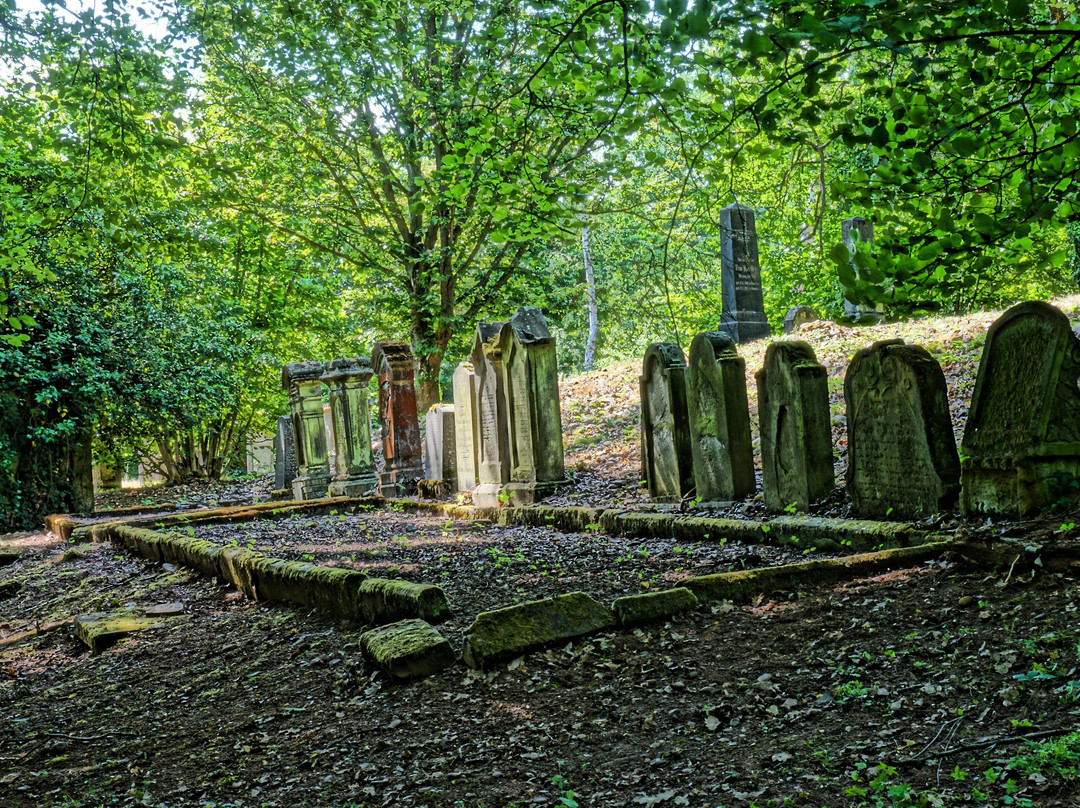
853	230
743	315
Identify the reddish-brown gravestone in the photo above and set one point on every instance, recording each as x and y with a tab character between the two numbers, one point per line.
395	372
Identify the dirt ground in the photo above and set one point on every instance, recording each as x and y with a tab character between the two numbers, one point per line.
914	688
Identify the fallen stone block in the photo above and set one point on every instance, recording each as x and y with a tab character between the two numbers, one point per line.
407	649
384	601
100	630
651	606
9	555
507	633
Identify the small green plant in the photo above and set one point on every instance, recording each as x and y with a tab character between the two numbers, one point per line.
792	508
566	799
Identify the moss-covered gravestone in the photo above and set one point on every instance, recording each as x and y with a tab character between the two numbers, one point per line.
719	419
1021	444
466	426
666	453
284	455
796	426
798	316
492	452
902	459
743	314
394	366
303	380
348	381
533	422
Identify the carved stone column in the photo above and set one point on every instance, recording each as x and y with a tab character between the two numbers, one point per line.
303	380
348	380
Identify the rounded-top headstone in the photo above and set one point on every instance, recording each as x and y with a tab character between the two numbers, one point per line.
797	316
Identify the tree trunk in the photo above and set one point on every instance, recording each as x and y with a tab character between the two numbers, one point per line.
427	381
594	317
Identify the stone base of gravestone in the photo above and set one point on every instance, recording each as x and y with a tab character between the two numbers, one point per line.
435	489
360	485
857	314
531	493
281	495
1017	486
401	483
745	329
313	487
800	315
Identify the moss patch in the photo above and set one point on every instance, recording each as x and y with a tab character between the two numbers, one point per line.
408	649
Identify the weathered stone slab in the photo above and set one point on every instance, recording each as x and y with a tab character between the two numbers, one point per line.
466	426
407	649
902	458
795	426
1021	443
284	454
743	314
395	369
101	630
493	441
533	421
666	447
719	418
652	606
854	231
798	316
303	380
503	634
354	466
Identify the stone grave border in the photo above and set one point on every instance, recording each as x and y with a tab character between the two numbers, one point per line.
405	649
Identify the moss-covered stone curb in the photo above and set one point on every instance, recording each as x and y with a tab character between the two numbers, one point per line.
635	610
344	592
8	556
101	630
746	585
60	524
804	532
407	649
503	634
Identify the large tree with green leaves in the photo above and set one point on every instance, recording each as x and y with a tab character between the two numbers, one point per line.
429	147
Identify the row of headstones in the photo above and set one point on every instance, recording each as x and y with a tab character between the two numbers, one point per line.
743	313
1021	443
502	442
303	435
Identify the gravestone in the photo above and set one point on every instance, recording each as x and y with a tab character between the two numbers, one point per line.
466	426
303	380
259	455
492	454
395	370
440	454
719	419
530	387
902	459
108	475
852	231
666	453
743	315
354	465
1021	443
284	454
800	315
795	426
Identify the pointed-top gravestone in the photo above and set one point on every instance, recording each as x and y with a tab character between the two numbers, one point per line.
1021	442
796	426
492	458
303	380
394	367
666	454
533	421
466	426
719	419
853	231
354	466
902	458
743	316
